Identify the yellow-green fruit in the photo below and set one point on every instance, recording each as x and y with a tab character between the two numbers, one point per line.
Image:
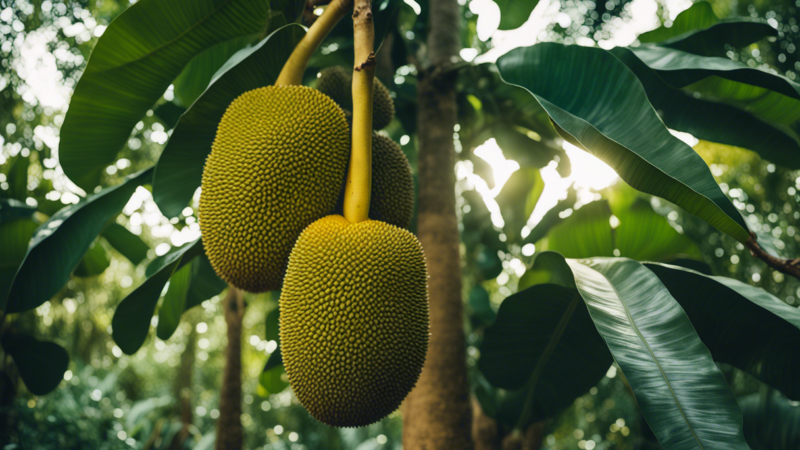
276	166
337	83
354	319
392	196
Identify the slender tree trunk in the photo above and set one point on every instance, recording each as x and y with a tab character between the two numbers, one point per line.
229	425
484	429
183	389
531	439
438	414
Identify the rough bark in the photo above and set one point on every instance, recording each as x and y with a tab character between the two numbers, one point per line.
438	414
229	425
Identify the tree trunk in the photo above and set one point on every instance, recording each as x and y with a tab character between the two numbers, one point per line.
530	440
183	389
229	425
438	414
484	429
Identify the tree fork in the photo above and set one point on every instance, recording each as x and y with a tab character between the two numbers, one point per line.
438	412
229	425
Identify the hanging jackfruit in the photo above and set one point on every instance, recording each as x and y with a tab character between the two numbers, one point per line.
337	82
276	165
354	319
392	194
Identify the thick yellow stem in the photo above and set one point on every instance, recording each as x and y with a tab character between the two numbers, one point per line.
359	176
292	72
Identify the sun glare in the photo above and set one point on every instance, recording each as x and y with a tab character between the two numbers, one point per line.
588	175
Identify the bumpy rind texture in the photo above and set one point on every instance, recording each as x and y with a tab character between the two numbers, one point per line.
337	82
276	166
392	196
354	319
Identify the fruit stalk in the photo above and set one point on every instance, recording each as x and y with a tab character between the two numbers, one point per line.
292	72
359	176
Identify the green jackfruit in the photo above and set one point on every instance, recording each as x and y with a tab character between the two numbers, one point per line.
354	319
337	83
276	166
392	196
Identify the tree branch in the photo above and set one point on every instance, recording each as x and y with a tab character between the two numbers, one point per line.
787	266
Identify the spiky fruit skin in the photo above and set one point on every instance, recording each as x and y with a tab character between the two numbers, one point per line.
336	82
354	319
392	195
276	165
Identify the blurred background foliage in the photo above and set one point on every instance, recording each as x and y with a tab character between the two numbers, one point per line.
512	203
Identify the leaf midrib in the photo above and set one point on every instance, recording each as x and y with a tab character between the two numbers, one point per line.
652	355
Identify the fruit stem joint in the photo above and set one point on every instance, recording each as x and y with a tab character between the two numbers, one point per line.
359	176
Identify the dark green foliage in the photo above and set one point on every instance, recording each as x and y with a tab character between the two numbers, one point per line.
60	243
41	365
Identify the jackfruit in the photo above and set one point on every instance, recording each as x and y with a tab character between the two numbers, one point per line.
276	165
392	195
337	83
354	319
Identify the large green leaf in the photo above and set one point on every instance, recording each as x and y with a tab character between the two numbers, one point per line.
698	30
520	145
18	178
272	323
188	287
133	63
584	234
599	105
518	198
131	322
771	422
742	325
544	341
59	244
291	10
128	244
717	39
94	262
14	238
772	97
696	17
174	303
683	396
180	167
41	364
514	13
11	209
714	121
552	217
643	234
195	77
